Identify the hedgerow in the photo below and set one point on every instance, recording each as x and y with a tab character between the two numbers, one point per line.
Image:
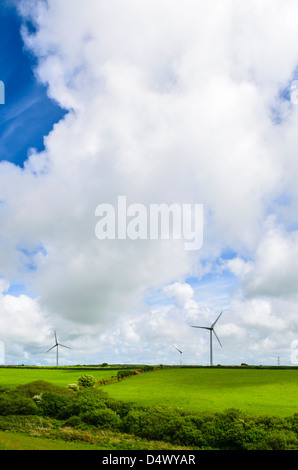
92	407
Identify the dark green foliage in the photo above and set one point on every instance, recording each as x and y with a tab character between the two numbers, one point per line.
13	403
293	422
102	417
89	399
159	422
55	405
121	374
73	421
147	368
40	386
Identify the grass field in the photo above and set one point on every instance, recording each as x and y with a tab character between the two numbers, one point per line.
11	377
20	441
257	391
269	392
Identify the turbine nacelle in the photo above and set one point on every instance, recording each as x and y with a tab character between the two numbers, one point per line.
180	354
211	329
56	345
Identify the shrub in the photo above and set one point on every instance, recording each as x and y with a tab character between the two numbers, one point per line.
159	422
73	387
121	374
148	368
292	422
73	421
131	423
89	399
281	440
56	405
40	386
189	436
86	381
122	408
15	404
104	418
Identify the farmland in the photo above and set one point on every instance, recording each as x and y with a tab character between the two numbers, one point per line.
208	408
11	377
272	391
253	390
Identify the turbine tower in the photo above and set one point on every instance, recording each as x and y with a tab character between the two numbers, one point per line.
180	355
211	329
56	345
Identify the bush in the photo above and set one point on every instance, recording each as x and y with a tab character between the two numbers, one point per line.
89	399
86	381
104	418
131	423
148	368
40	386
121	374
73	387
55	405
15	404
122	408
73	421
292	422
159	422
189	436
281	440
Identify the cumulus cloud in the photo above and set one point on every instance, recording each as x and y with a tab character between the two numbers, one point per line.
167	103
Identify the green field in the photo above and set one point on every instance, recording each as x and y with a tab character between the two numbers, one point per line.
20	441
257	391
61	419
12	377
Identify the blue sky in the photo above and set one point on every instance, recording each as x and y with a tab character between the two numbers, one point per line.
28	114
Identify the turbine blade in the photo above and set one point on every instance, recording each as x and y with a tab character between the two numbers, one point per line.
216	320
63	345
204	327
51	348
55	336
217	338
178	349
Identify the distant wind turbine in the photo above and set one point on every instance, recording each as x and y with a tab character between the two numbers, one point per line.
56	345
211	329
180	354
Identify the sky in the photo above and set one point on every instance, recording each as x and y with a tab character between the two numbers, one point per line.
161	102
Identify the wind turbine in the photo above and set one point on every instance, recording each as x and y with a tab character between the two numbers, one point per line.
180	354
56	346
211	329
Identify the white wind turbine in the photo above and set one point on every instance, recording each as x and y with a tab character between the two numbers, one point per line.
56	345
211	329
180	355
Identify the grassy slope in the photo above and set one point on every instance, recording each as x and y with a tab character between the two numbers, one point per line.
20	441
36	433
63	377
257	391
